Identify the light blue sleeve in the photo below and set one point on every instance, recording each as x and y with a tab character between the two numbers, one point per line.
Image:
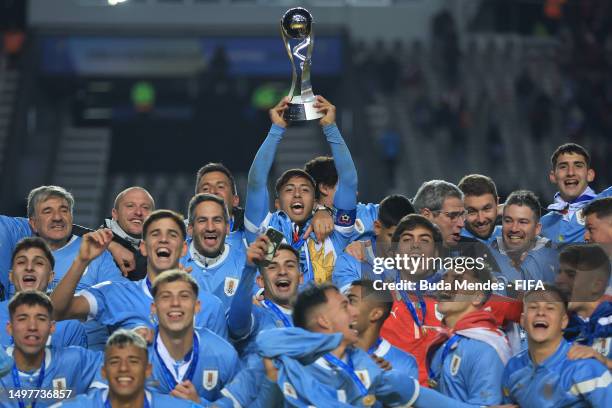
89	365
542	265
395	389
12	229
240	317
345	271
505	386
215	318
6	362
594	382
101	269
69	333
484	375
346	193
257	199
431	398
246	385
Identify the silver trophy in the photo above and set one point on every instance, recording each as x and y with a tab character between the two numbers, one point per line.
296	24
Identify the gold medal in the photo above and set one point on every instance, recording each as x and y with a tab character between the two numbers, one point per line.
369	400
432	383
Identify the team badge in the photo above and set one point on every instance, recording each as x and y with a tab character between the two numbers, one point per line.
210	379
364	376
289	391
59	384
230	286
454	365
580	217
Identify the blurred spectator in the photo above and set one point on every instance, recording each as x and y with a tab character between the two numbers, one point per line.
390	142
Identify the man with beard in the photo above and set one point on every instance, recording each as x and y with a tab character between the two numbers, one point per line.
127	303
295	191
480	200
217	264
521	252
32	269
543	375
571	172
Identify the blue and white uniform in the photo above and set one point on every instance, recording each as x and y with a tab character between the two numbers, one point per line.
564	223
557	382
219	276
71	368
128	304
399	359
497	232
541	262
97	398
594	331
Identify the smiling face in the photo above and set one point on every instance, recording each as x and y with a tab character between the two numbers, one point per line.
571	175
126	368
450	219
519	228
30	327
132	209
282	278
341	316
481	214
417	243
52	221
296	199
544	317
209	229
163	245
217	183
175	306
31	270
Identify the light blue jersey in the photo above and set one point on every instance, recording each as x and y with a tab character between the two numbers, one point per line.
364	224
67	332
564	223
128	304
71	368
497	232
399	359
96	398
219	276
12	230
557	382
541	262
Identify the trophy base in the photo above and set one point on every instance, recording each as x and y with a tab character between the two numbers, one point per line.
298	112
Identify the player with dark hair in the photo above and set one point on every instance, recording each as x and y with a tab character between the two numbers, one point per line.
598	223
480	200
571	171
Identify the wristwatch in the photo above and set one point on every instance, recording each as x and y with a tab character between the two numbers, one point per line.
321	207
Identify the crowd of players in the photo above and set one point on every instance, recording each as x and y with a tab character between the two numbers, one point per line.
154	310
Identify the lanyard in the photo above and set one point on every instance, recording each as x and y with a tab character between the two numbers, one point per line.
17	382
107	403
348	369
372	349
192	365
297	242
454	339
149	286
412	310
278	313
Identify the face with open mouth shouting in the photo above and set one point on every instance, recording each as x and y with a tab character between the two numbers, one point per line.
296	199
281	278
31	270
209	228
163	245
132	209
126	368
571	175
519	228
52	221
175	306
544	317
30	327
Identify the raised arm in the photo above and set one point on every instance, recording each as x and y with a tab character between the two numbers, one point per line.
65	304
257	200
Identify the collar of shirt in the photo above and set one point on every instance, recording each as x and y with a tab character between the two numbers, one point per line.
148	396
70	241
553	360
204	262
118	231
144	287
288	312
383	348
179	368
499	244
559	204
9	351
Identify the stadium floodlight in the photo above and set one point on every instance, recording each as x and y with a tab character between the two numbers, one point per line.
115	2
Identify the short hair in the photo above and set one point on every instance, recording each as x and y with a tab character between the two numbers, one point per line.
33	242
30	298
477	185
323	170
393	208
122	338
569	148
127	190
161	214
586	257
524	198
602	208
432	194
212	167
411	221
289	174
174	275
548	288
381	298
309	299
201	198
43	193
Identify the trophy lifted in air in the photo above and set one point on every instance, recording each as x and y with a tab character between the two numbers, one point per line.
296	24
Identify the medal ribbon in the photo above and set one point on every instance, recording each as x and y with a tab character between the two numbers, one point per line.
192	365
348	369
454	339
372	349
17	382
278	313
